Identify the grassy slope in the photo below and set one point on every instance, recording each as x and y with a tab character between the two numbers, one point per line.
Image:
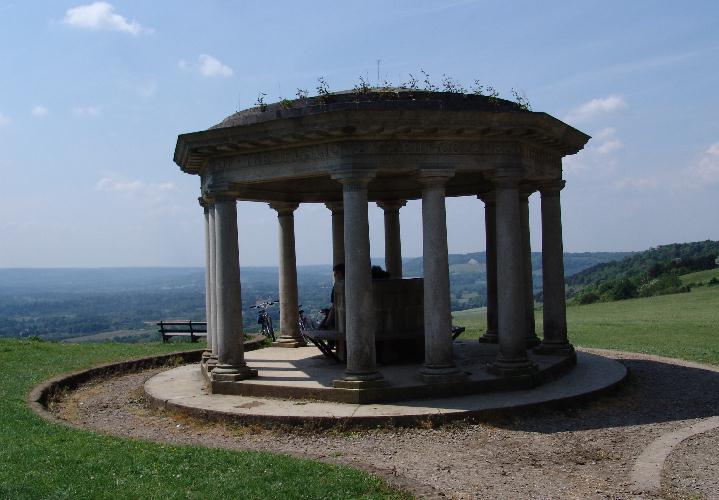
684	325
41	460
700	276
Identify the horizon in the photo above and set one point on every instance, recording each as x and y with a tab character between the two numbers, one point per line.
97	93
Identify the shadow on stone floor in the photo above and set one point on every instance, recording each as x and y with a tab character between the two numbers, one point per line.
655	392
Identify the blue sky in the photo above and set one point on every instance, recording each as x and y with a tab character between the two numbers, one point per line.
93	95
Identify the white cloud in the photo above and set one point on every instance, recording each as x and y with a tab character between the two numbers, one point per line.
700	175
209	66
637	183
101	16
596	107
4	120
114	184
606	141
707	170
206	65
87	111
156	199
598	156
39	110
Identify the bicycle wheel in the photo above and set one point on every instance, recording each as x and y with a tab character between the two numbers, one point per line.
270	329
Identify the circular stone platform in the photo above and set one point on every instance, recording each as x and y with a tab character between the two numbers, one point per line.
184	389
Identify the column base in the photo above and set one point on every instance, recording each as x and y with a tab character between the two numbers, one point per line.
489	337
519	368
290	342
232	373
442	374
363	380
554	348
211	363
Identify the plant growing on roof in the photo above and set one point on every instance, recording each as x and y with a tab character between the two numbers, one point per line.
302	94
449	84
476	88
362	88
521	100
261	102
411	84
428	85
323	90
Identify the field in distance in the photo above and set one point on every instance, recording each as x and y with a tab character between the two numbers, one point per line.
684	325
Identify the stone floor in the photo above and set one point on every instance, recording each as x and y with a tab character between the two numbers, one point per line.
184	388
303	373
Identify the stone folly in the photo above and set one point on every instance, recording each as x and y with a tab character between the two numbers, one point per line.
346	150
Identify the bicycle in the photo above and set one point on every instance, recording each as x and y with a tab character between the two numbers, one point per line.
306	323
264	319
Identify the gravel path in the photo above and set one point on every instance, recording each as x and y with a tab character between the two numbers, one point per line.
584	452
692	471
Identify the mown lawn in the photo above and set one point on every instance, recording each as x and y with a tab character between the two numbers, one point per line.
42	460
684	325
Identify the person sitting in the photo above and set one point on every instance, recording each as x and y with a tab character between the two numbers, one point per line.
379	274
330	319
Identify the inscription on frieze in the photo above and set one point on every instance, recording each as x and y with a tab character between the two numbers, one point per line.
321	152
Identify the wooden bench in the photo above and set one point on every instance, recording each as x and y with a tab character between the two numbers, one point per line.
322	338
182	328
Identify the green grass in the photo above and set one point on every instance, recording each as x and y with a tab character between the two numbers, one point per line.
700	276
684	325
42	460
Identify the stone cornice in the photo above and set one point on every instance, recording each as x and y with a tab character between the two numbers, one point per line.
538	130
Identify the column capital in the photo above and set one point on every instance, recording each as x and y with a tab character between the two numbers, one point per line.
509	182
525	191
434	177
354	176
219	192
284	207
336	207
551	188
488	197
391	205
204	202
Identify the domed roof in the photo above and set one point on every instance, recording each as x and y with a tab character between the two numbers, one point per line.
387	99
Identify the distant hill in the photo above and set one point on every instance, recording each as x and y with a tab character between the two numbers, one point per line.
573	262
657	271
651	261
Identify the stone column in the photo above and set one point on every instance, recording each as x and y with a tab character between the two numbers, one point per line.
289	305
490	227
392	237
439	365
555	311
361	371
230	337
208	286
512	357
338	232
524	193
212	362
